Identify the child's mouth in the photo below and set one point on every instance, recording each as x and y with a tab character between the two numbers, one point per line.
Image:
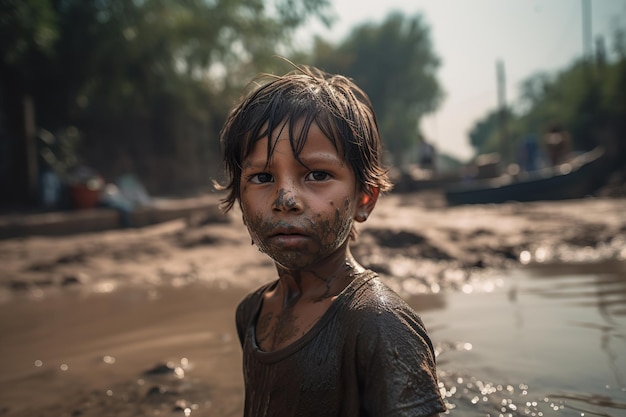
288	237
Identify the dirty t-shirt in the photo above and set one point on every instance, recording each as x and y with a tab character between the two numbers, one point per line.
368	355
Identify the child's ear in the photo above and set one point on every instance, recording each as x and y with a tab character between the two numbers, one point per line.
367	202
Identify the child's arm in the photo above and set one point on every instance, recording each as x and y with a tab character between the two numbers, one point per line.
397	366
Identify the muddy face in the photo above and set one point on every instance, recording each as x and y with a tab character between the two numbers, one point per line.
299	212
303	240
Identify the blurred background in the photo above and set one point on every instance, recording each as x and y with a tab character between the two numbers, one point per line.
92	91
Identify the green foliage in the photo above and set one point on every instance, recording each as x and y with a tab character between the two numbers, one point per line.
395	64
584	99
59	151
152	79
486	133
588	99
27	28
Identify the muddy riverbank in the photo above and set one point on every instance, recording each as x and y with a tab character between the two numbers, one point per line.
140	321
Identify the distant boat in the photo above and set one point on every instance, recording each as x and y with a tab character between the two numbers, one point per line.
577	178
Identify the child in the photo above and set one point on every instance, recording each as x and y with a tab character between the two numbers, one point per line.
327	338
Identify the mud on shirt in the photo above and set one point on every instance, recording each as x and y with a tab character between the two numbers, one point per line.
368	355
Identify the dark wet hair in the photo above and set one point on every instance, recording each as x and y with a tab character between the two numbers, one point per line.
341	110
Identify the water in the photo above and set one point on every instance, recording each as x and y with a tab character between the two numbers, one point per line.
545	340
541	341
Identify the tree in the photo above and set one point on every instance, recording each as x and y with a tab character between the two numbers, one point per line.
28	32
588	99
152	79
395	64
484	136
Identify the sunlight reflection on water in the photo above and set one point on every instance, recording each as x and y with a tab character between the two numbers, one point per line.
541	341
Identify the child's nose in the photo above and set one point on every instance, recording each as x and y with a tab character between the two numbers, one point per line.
287	200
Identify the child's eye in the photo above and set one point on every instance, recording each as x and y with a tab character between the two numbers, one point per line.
317	176
261	178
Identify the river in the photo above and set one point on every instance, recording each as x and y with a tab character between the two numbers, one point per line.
542	340
545	340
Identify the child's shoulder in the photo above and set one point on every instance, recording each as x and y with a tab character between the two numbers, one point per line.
375	299
376	310
248	308
372	300
255	297
373	292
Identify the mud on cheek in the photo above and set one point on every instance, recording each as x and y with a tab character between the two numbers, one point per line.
327	234
333	232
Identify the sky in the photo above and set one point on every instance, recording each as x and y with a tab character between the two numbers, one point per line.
471	36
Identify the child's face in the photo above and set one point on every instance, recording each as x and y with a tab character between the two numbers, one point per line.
301	216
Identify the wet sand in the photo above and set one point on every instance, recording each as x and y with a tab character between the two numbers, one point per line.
140	321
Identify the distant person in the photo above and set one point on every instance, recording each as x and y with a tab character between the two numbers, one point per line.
427	154
327	337
557	145
529	153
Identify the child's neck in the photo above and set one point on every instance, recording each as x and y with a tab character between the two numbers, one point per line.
300	299
320	283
